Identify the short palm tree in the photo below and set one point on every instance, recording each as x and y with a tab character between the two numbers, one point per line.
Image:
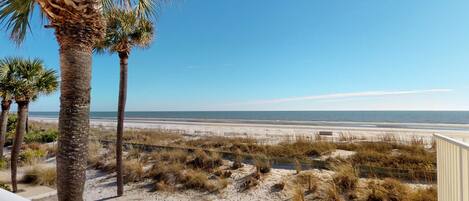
124	31
78	26
6	93
30	79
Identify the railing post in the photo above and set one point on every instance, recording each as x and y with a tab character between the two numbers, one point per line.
461	180
450	152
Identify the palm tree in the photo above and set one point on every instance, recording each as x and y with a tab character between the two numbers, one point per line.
6	93
78	26
30	79
124	31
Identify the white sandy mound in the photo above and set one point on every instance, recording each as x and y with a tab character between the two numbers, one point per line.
100	186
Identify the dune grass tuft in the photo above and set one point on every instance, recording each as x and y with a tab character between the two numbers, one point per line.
345	178
40	176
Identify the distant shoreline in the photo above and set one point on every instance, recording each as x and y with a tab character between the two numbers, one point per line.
269	130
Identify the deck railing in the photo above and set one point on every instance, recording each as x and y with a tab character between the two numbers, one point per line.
452	168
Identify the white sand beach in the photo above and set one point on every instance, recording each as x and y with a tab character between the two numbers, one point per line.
269	131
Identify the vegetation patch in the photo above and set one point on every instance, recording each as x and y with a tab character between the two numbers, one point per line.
40	176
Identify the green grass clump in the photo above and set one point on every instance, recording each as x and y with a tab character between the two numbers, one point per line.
42	136
3	163
31	156
5	187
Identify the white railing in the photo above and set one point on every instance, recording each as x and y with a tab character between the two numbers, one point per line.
453	168
9	196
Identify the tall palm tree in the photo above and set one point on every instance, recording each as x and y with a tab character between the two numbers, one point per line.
78	26
124	31
30	79
6	93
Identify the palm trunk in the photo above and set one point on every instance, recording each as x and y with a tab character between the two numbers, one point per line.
27	124
75	65
20	130
123	56
3	124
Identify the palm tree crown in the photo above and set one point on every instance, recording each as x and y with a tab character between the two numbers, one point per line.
29	79
7	66
16	14
125	30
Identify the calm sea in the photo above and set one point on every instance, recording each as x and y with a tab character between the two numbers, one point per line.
441	117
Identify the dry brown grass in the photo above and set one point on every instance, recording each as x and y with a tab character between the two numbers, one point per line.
300	148
133	170
201	160
263	164
298	193
428	194
187	170
40	176
419	162
345	178
391	189
195	179
238	160
308	180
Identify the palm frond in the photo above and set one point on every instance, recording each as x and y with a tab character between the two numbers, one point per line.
26	79
15	15
125	30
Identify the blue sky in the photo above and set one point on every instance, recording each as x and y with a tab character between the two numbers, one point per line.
286	55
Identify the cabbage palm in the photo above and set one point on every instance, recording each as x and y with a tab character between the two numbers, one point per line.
30	79
78	26
124	31
6	93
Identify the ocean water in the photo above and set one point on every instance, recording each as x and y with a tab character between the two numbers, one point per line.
309	117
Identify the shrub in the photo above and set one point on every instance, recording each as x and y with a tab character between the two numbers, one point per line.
3	163
197	180
238	160
133	171
376	192
204	161
168	173
11	125
427	194
262	164
395	190
345	178
5	187
30	156
42	136
94	158
176	156
41	176
388	189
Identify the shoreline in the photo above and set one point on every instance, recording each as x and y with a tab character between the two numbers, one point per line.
271	131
